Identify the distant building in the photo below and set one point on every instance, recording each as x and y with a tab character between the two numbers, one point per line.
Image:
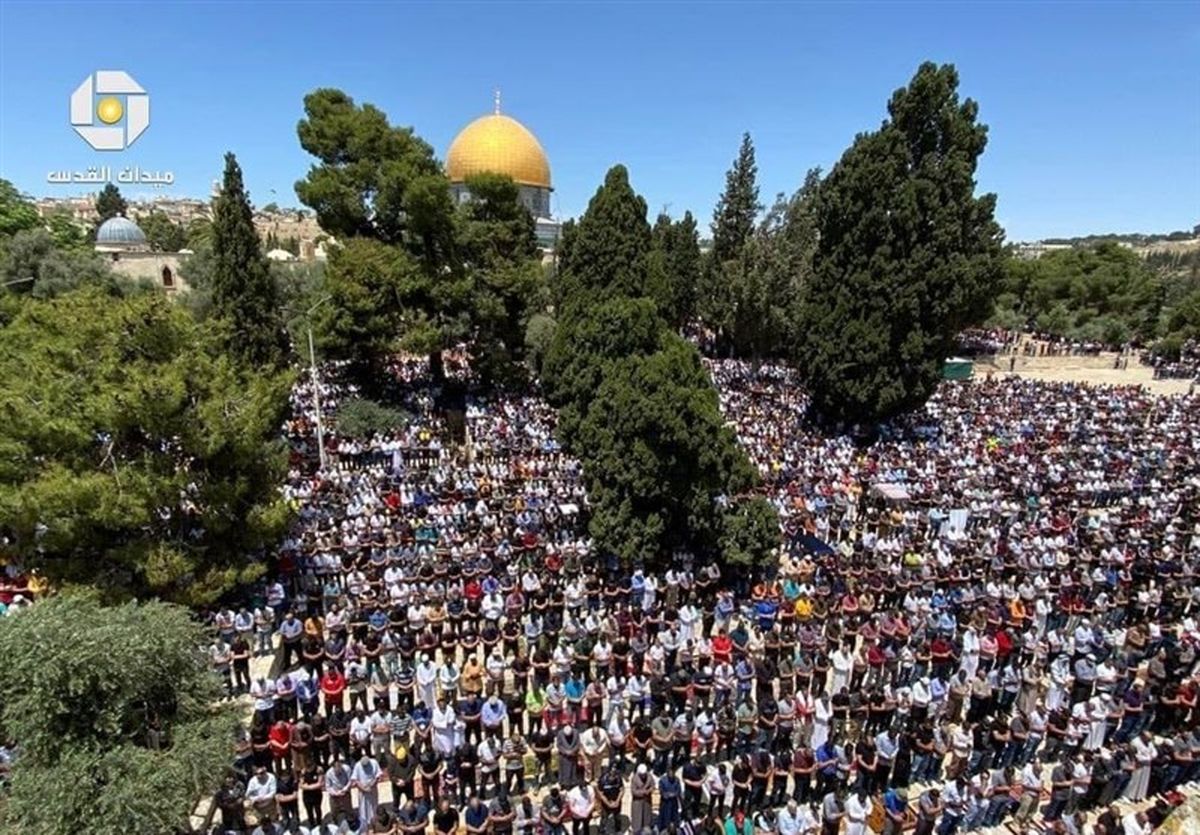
1036	249
499	144
124	244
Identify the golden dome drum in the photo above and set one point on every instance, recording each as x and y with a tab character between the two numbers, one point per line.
498	144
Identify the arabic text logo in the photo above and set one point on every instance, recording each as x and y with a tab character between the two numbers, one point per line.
110	97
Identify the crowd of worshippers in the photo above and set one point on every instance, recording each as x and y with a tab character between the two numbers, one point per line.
1022	619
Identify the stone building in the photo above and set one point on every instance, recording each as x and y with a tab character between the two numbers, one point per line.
122	241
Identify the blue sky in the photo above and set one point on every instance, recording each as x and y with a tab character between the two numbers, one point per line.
1094	108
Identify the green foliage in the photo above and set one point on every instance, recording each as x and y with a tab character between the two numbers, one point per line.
110	203
723	282
608	247
34	254
738	207
496	241
271	208
362	418
162	234
66	233
907	255
199	234
1181	325
675	256
367	283
16	213
765	283
635	403
113	711
657	455
1104	293
135	455
749	532
585	346
372	180
243	293
378	182
539	336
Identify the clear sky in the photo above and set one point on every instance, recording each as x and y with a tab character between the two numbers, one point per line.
1094	108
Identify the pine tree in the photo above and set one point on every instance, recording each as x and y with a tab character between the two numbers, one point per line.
906	257
243	292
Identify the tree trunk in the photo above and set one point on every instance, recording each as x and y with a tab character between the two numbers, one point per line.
437	368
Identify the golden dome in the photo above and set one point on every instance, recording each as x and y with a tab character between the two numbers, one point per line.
498	144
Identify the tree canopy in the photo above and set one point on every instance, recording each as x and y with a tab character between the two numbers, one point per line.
675	266
110	203
162	233
373	180
114	712
16	213
906	257
368	284
135	454
635	403
243	293
1104	293
36	254
465	273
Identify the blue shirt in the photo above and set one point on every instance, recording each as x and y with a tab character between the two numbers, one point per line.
493	712
476	816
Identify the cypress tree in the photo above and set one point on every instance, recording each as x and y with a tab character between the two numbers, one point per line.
110	203
243	292
609	246
724	278
738	207
906	255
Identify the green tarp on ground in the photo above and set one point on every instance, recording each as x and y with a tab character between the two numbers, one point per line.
957	368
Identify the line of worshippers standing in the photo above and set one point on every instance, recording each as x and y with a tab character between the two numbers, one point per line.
742	729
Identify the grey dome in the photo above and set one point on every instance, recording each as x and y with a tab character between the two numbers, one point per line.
120	230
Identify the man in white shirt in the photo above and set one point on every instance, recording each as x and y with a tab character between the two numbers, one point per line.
581	800
858	809
260	794
788	820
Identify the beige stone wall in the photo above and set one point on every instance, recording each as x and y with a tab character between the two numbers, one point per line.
149	266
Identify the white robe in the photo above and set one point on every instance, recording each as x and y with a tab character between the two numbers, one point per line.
1143	754
427	685
822	714
857	812
842	664
1098	730
443	730
367	772
970	653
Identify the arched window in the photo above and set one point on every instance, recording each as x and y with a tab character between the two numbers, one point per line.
167	277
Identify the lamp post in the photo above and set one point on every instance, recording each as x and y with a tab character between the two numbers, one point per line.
316	381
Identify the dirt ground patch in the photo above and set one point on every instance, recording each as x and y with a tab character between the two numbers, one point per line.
1097	370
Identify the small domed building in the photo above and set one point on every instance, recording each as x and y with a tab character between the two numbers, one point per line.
124	242
499	144
120	234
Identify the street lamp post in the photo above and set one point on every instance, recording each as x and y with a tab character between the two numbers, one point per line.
316	382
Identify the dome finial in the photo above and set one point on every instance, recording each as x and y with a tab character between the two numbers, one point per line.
497	98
